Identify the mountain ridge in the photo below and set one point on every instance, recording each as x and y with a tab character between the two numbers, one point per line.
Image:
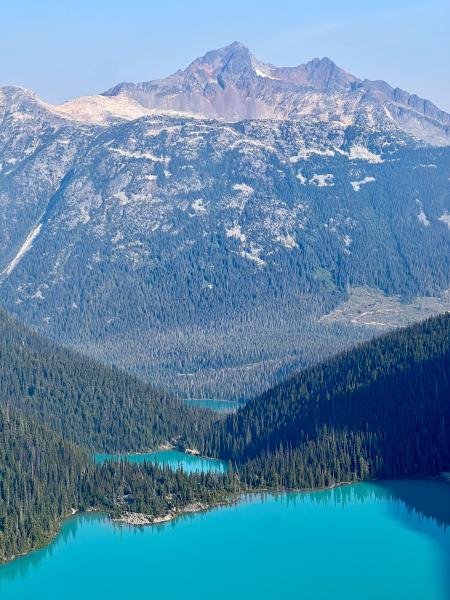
85	402
379	410
231	84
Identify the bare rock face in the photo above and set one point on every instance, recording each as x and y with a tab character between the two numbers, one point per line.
231	84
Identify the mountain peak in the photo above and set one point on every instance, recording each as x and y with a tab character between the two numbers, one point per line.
324	74
324	61
237	46
231	84
235	54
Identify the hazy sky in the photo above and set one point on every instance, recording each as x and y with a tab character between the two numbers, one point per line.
67	48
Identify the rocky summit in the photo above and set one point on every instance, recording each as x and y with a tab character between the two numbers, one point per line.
231	84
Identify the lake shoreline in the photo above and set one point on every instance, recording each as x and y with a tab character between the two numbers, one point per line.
161	448
143	520
135	519
193	452
405	524
50	538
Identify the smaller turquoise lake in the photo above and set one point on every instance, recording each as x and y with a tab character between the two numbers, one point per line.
221	406
170	458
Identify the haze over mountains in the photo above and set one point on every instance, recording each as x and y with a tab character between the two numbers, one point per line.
196	230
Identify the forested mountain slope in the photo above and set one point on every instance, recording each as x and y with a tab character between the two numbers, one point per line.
87	403
50	398
201	254
380	410
40	482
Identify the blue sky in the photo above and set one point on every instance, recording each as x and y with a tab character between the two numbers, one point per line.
67	48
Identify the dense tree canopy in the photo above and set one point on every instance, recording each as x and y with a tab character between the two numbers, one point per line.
380	410
89	404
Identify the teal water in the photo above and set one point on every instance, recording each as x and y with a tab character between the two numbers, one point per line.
170	458
221	406
372	541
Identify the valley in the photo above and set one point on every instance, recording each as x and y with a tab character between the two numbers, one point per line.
333	423
225	337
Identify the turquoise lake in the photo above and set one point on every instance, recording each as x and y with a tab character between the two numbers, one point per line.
221	406
170	458
384	540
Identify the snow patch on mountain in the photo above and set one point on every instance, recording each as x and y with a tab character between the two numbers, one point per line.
198	207
235	232
423	219
320	152
253	255
326	180
445	218
261	73
26	246
243	187
359	152
347	240
140	155
356	185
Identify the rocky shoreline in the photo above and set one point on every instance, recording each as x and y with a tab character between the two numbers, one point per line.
139	519
142	519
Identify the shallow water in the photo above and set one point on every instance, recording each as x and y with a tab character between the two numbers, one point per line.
374	541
